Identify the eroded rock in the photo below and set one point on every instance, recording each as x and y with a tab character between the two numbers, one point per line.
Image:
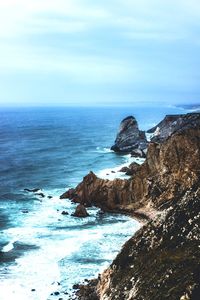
80	212
174	124
162	260
170	169
129	136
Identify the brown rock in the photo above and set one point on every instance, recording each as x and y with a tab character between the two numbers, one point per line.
161	261
124	169
170	168
70	194
80	212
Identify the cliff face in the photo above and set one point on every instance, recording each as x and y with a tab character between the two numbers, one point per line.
170	169
162	260
174	124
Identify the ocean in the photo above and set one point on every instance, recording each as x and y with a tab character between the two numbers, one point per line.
42	252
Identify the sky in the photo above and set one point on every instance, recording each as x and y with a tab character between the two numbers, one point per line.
92	52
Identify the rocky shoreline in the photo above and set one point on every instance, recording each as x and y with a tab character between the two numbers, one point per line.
162	260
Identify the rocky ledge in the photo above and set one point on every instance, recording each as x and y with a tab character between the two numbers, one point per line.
162	260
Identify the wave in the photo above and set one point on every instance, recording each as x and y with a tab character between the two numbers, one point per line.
113	173
8	247
103	150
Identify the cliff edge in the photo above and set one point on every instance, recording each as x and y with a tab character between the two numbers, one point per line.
162	260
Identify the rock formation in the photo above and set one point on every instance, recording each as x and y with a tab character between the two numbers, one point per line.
129	136
80	212
170	169
174	124
131	169
162	260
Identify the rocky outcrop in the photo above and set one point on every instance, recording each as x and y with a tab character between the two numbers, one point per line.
129	137
80	212
131	169
170	169
105	194
174	124
162	260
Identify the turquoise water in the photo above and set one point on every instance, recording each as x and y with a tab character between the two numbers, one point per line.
52	149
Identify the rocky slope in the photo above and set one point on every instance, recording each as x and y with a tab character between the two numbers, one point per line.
174	124
129	137
170	169
162	260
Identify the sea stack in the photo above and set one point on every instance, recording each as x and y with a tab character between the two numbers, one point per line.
129	137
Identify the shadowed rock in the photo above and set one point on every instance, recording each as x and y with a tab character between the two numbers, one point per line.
32	190
174	124
64	212
131	169
129	136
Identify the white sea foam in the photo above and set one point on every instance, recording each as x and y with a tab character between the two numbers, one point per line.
35	274
113	173
103	150
149	136
8	247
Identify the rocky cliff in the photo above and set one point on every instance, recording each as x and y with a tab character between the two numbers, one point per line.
170	169
174	124
162	260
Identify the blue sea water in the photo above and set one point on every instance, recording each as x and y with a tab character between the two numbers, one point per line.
41	250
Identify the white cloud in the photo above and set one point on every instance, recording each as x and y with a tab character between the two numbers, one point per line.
18	17
127	43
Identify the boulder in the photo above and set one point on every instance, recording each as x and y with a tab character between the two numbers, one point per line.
64	212
40	194
32	190
131	169
80	211
124	169
129	137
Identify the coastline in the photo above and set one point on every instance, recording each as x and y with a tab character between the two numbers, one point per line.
41	224
164	201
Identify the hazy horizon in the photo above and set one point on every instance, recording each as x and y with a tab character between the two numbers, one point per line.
92	53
